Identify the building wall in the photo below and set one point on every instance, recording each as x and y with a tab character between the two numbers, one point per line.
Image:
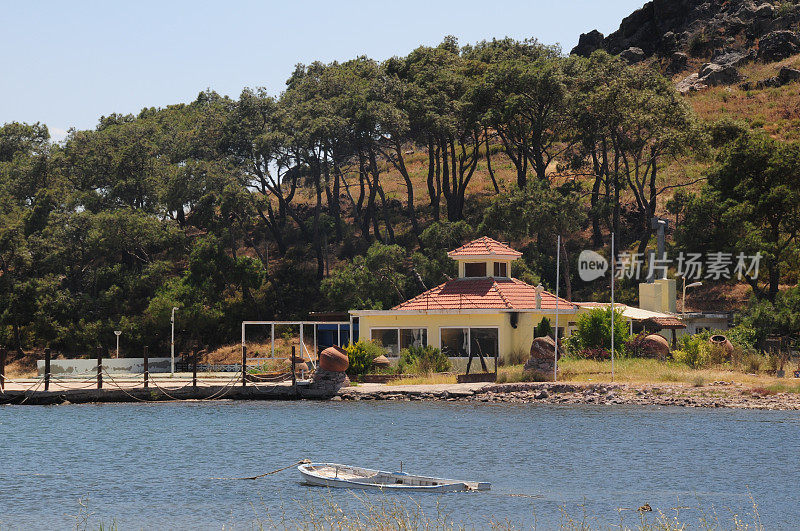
509	339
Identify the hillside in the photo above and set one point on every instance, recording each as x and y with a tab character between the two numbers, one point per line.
346	190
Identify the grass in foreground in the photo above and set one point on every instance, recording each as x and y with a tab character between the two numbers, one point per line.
423	379
401	514
648	371
633	371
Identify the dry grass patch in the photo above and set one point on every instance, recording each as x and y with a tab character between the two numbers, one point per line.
430	379
646	371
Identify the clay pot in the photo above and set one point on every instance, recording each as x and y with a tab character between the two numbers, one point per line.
722	341
655	346
381	362
334	359
301	367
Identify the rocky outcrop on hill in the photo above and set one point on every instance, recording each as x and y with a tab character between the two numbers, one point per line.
702	28
778	45
785	76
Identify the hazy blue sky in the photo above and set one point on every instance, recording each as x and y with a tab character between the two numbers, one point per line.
66	63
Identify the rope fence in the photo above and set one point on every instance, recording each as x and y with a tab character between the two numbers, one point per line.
130	384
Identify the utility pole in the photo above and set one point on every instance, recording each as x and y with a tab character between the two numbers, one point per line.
172	344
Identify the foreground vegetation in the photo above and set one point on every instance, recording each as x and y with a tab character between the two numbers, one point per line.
390	513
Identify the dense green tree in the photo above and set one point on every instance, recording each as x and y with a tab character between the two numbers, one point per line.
525	97
377	281
626	121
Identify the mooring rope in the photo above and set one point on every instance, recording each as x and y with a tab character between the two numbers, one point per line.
32	389
301	462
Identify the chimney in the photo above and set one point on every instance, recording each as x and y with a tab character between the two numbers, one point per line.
539	290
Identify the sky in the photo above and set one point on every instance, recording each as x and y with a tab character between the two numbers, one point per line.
66	63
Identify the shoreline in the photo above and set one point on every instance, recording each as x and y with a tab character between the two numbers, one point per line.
719	394
715	395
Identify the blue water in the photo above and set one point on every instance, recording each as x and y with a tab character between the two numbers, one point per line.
149	465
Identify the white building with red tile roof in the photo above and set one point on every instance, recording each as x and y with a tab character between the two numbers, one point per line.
483	310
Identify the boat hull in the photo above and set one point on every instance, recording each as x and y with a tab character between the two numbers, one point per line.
334	475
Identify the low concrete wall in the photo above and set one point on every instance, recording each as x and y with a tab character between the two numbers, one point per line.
88	367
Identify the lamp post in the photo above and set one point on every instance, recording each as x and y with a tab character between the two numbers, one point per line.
172	344
117	333
683	300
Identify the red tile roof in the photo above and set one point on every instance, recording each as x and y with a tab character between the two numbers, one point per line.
483	293
482	247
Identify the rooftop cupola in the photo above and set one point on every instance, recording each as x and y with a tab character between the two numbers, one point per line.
484	257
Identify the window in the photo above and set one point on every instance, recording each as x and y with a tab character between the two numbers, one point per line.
484	341
455	341
387	338
500	269
413	337
475	269
395	339
459	342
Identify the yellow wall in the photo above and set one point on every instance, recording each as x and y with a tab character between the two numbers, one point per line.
509	339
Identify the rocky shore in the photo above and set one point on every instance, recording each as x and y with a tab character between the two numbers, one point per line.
716	394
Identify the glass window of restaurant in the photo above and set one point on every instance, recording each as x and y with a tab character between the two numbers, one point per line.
459	342
395	339
454	341
388	338
413	337
484	341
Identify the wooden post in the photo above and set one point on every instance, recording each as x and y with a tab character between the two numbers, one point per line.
244	365
294	376
47	369
194	368
99	367
146	368
294	365
2	368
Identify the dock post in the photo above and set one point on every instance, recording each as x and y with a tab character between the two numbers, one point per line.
194	368
244	365
294	376
146	368
47	369
2	368
99	367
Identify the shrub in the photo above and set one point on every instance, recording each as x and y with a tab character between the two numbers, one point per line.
635	347
423	360
711	355
361	356
687	357
752	362
515	357
742	336
593	331
543	328
772	362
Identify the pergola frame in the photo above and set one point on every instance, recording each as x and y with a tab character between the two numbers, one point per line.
302	325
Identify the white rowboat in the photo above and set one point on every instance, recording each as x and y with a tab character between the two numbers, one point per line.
351	477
